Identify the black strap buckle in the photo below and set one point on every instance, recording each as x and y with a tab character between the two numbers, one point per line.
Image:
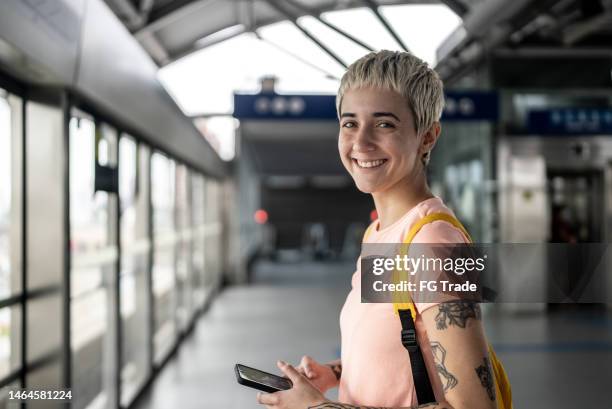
409	340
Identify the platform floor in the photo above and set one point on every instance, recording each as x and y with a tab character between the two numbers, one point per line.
560	360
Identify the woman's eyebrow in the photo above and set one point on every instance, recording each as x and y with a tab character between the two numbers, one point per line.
391	114
375	115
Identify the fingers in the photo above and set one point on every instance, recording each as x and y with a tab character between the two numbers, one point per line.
306	364
267	398
290	371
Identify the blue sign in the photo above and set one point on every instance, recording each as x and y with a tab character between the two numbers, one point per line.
460	106
276	106
471	106
570	121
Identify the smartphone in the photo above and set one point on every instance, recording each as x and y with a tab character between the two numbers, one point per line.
261	380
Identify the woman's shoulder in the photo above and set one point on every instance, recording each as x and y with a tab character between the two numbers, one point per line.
438	231
434	232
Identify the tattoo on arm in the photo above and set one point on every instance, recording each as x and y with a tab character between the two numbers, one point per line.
336	369
457	313
487	380
335	405
449	381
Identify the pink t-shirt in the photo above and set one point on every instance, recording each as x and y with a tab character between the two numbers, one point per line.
375	365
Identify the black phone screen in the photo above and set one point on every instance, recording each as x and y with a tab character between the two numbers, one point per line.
264	378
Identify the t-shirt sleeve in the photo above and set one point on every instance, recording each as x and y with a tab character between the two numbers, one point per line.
437	232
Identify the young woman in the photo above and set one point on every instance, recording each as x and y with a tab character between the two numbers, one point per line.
389	106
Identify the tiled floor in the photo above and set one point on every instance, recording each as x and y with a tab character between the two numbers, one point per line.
560	360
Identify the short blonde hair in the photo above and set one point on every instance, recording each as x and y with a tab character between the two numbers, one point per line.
403	73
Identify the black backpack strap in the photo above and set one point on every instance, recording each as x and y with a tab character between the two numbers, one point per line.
420	376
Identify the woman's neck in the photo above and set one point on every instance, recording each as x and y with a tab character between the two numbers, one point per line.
395	202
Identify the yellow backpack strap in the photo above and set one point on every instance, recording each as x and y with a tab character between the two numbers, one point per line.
368	231
432	217
404	301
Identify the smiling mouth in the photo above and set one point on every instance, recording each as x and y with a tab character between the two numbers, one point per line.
368	164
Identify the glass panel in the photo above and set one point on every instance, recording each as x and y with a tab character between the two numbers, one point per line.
135	248
11	131
45	333
5	198
362	24
288	37
197	209
46	242
213	234
47	377
164	237
10	340
46	225
346	49
220	132
44	327
245	60
413	24
183	266
93	263
4	396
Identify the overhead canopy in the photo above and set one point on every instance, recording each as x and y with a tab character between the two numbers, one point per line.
170	29
229	45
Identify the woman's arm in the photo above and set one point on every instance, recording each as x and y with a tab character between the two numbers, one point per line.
461	358
461	354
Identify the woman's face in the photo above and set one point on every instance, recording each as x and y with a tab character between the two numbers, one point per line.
378	143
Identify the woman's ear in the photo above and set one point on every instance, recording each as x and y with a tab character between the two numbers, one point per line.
430	137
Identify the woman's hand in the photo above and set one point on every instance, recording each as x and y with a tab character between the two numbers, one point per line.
302	395
321	376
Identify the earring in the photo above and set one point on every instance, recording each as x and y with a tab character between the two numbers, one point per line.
425	158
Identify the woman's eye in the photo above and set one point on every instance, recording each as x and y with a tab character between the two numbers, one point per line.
385	125
348	125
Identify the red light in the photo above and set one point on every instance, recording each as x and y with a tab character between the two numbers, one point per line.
260	216
373	215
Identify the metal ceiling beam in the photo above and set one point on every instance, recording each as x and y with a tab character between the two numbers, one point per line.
126	12
553	52
456	6
374	7
317	15
169	8
145	9
200	44
171	12
293	19
299	58
583	29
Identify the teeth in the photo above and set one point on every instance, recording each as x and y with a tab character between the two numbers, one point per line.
370	164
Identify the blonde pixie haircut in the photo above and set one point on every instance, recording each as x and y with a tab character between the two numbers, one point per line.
403	73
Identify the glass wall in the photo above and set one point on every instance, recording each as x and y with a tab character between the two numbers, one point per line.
184	260
45	244
122	248
199	228
5	202
164	255
94	254
134	163
10	235
213	230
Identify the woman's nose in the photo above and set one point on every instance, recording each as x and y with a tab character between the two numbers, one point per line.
363	142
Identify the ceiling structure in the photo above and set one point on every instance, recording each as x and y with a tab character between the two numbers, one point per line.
171	29
519	40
